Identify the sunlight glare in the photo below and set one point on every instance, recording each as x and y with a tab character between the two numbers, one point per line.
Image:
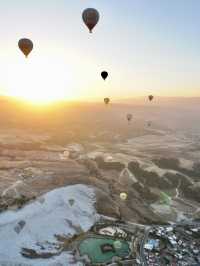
39	79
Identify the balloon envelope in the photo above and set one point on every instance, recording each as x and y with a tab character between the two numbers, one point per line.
90	17
129	117
117	244
104	74
149	124
123	196
26	46
106	100
151	97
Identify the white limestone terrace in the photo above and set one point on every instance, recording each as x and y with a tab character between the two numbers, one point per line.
36	225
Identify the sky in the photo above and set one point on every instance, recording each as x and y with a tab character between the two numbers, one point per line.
147	47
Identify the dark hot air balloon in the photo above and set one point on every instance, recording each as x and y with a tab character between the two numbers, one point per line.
149	124
104	75
151	97
90	17
26	46
106	100
129	117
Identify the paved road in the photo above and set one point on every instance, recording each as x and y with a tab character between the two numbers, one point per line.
142	256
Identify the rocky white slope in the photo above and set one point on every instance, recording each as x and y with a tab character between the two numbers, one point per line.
60	212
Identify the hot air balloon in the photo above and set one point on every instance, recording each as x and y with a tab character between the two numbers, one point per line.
129	117
117	244
104	75
90	17
26	46
149	124
123	196
151	97
106	100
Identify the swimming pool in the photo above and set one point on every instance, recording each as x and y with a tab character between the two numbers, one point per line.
92	246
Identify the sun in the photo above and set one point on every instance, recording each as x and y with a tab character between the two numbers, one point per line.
39	79
49	75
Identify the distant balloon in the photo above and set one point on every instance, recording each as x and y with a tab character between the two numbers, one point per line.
129	117
109	158
149	124
123	196
104	75
117	244
90	17
151	97
26	46
106	100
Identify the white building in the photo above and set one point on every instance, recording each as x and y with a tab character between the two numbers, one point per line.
112	231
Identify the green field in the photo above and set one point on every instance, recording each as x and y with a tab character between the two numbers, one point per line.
92	247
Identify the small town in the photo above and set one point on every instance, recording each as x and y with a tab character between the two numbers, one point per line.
173	245
133	244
